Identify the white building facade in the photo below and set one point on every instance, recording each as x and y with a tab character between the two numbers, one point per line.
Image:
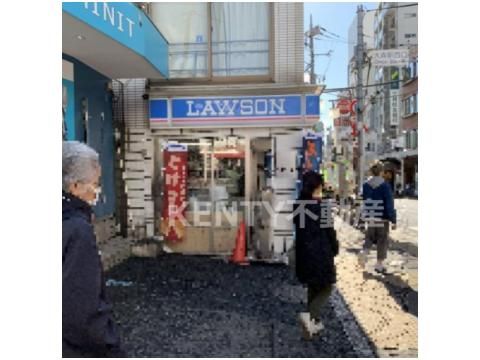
236	102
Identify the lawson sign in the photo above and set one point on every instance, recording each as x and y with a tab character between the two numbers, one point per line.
235	108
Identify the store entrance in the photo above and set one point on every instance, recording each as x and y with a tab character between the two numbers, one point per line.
215	190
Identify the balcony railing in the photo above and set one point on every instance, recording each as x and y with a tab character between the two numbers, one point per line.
229	58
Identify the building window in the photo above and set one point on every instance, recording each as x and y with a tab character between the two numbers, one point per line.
410	36
238	44
410	15
410	105
240	39
411	139
185	26
411	71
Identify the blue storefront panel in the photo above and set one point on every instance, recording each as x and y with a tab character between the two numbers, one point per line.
127	25
231	110
91	94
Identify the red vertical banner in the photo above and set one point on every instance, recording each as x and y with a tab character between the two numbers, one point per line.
174	193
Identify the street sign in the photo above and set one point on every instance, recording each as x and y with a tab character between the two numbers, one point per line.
392	57
394	107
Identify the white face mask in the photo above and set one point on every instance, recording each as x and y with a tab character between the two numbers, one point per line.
97	191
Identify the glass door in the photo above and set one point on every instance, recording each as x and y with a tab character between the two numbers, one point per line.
215	189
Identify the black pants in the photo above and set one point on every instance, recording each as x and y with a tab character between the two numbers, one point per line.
317	297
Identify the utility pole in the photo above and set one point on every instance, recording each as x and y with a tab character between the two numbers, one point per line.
311	33
313	80
359	57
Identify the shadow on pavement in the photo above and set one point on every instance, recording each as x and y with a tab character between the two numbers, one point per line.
400	291
405	247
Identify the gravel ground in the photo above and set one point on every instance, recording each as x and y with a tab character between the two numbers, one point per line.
185	306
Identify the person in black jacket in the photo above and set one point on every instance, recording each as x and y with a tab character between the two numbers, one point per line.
316	246
87	324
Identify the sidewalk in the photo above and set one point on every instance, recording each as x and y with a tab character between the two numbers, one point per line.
385	305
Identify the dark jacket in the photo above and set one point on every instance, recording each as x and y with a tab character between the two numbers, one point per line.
315	245
88	328
375	188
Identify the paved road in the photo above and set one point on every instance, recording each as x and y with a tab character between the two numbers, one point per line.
181	306
386	306
407	214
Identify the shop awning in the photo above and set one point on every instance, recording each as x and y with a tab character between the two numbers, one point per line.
116	39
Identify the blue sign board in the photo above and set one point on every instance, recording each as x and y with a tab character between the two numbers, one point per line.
313	105
241	108
159	109
126	24
237	107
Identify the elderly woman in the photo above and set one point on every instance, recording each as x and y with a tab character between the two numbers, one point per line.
88	328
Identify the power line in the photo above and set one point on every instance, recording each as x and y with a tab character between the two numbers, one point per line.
331	33
354	87
334	40
328	64
377	97
393	7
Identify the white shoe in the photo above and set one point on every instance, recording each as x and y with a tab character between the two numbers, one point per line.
380	269
317	326
305	322
310	327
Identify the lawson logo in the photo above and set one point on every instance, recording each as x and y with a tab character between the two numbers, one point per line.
237	107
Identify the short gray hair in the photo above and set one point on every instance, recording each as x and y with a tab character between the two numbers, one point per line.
79	163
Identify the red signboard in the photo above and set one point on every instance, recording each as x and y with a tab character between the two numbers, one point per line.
174	194
353	107
342	122
343	106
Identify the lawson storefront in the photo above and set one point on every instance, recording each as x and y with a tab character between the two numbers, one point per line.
215	155
102	41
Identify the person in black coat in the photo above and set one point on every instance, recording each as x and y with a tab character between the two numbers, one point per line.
87	324
316	246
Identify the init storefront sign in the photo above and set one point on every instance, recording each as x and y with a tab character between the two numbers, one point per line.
175	192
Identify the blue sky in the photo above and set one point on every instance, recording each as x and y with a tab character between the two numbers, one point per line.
336	18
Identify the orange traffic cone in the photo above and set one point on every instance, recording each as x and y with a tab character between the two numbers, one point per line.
238	256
